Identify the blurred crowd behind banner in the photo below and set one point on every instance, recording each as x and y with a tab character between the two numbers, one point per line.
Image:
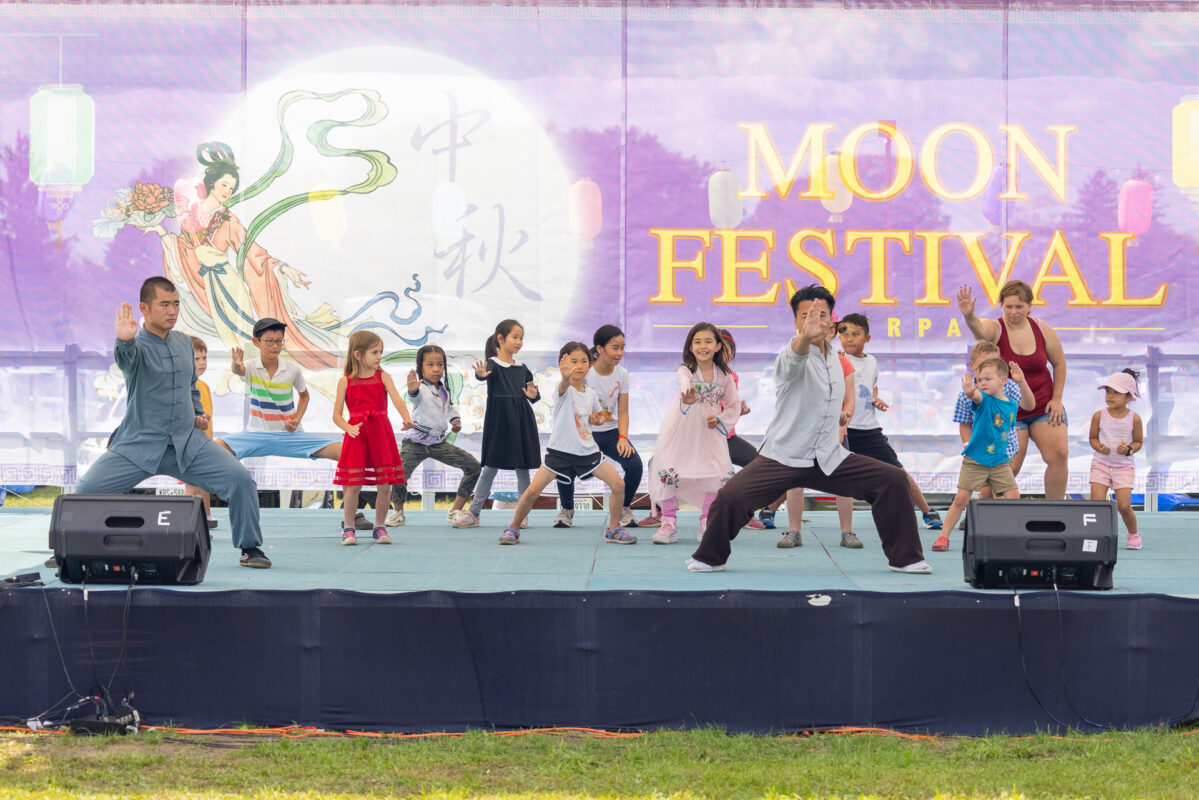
426	170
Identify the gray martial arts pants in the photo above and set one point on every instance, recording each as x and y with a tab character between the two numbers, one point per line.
213	470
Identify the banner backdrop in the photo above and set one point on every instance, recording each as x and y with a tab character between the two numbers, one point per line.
428	170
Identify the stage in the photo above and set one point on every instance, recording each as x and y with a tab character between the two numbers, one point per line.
446	630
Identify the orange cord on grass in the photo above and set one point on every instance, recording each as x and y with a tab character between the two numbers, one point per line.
305	731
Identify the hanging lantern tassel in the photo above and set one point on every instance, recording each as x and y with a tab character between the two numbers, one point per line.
842	198
586	211
1134	211
724	206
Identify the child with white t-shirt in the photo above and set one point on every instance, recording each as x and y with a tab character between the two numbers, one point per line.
611	384
865	435
572	453
278	398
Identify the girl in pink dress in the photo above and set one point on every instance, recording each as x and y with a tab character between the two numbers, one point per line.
691	457
369	455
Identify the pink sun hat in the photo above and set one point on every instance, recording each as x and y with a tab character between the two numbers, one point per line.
1121	382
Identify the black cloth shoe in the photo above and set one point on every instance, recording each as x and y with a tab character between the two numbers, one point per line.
253	557
212	523
361	523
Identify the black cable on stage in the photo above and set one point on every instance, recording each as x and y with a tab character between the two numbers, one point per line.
57	645
1061	635
1023	664
124	629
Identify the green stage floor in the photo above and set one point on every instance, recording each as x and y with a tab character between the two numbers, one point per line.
428	554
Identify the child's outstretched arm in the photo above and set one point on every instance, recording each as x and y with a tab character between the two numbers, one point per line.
682	377
339	409
970	390
1096	445
1027	401
397	401
730	410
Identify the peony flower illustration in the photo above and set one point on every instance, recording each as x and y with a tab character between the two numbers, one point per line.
150	198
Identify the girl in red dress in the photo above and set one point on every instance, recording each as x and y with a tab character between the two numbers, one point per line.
369	456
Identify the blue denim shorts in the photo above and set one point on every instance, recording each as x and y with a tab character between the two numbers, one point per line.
1022	424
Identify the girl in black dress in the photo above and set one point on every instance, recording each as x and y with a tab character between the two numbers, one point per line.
509	428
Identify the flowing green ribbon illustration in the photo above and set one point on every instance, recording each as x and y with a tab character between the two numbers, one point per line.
382	171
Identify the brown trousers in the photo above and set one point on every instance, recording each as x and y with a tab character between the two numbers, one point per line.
885	487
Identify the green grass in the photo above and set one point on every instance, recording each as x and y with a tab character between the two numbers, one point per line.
694	764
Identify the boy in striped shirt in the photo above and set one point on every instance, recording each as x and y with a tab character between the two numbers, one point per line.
278	399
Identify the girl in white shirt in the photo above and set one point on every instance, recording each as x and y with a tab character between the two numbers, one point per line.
572	453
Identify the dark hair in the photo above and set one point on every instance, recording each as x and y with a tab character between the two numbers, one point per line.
1135	375
572	347
281	327
420	357
720	358
198	345
603	335
855	319
813	291
726	339
150	287
218	158
492	348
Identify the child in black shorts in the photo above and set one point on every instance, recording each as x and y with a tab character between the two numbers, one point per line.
865	436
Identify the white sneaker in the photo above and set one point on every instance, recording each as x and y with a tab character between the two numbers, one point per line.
395	518
919	568
703	524
452	515
665	537
627	520
565	518
524	523
699	566
466	520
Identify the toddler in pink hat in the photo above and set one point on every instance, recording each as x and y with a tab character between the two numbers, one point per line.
1116	435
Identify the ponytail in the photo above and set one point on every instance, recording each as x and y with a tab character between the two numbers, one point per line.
492	348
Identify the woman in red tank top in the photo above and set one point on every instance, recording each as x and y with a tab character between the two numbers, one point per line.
1036	348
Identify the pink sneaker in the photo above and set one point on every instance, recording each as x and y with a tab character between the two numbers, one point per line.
1134	542
756	524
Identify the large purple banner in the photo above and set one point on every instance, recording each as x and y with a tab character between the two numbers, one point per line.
428	170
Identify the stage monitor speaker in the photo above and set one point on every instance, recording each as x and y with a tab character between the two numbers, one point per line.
103	538
1035	544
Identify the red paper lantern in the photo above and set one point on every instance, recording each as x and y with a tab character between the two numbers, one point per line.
1134	212
586	209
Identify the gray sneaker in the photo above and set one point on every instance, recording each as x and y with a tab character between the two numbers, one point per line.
850	539
627	520
565	518
361	523
791	539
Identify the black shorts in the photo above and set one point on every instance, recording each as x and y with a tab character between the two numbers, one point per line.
571	468
873	443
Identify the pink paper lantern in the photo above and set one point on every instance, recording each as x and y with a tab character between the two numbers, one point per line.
1134	212
586	209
